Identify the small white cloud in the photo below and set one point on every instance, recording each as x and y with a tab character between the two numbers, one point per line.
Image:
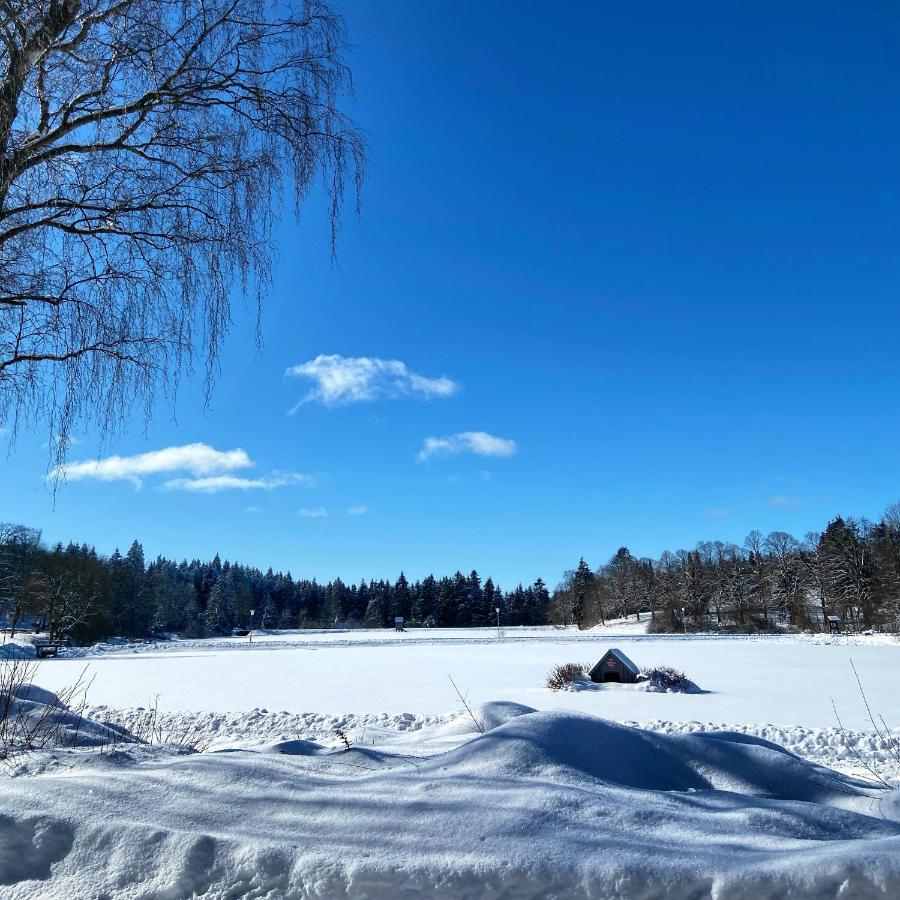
251	510
784	502
317	512
718	512
213	484
71	441
359	510
341	380
478	442
198	459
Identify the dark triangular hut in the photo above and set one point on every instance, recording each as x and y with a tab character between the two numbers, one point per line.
615	666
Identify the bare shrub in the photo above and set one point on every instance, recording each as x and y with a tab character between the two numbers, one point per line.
32	718
890	745
152	729
472	716
665	678
561	677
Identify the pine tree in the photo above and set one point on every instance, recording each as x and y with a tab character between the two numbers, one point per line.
221	611
375	611
582	585
475	600
540	600
401	601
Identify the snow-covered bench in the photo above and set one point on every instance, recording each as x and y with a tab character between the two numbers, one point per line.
44	647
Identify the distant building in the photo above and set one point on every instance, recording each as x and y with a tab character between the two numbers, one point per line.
615	666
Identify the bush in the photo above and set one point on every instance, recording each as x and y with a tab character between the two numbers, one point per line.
665	678
561	677
32	718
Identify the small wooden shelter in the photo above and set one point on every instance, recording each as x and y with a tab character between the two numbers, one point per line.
615	666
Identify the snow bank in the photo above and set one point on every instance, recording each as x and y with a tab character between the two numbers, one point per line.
234	730
32	717
16	650
541	804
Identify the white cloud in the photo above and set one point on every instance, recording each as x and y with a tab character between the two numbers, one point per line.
341	380
213	484
251	510
71	441
198	459
318	512
478	442
718	512
786	502
359	510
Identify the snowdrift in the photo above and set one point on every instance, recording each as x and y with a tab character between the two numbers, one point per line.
541	804
33	718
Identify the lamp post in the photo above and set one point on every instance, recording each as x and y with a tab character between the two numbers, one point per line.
497	609
684	620
251	625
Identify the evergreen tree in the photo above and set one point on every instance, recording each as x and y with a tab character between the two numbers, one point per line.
375	611
401	600
475	600
582	586
221	611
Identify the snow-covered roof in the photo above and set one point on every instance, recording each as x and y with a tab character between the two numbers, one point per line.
622	658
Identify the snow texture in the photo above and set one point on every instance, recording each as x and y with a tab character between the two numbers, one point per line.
541	804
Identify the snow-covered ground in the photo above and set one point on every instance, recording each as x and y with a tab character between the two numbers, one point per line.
554	799
539	805
786	681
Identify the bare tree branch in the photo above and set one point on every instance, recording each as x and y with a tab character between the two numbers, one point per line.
145	148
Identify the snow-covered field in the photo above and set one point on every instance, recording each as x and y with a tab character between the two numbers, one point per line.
777	681
554	799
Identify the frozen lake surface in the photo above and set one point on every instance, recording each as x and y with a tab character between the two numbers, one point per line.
778	681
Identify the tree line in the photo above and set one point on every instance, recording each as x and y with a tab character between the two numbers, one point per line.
72	591
851	571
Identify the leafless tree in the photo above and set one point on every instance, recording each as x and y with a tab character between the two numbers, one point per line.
63	604
787	586
145	146
562	602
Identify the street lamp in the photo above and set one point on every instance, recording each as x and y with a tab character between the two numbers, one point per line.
251	625
497	609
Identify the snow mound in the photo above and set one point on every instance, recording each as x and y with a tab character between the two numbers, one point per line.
554	744
35	718
485	717
542	804
297	747
647	685
16	650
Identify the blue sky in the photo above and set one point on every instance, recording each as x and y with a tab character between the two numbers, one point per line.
640	265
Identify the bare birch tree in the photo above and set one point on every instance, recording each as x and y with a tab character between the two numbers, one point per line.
145	146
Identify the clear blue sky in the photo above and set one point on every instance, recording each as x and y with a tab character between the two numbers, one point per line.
656	246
